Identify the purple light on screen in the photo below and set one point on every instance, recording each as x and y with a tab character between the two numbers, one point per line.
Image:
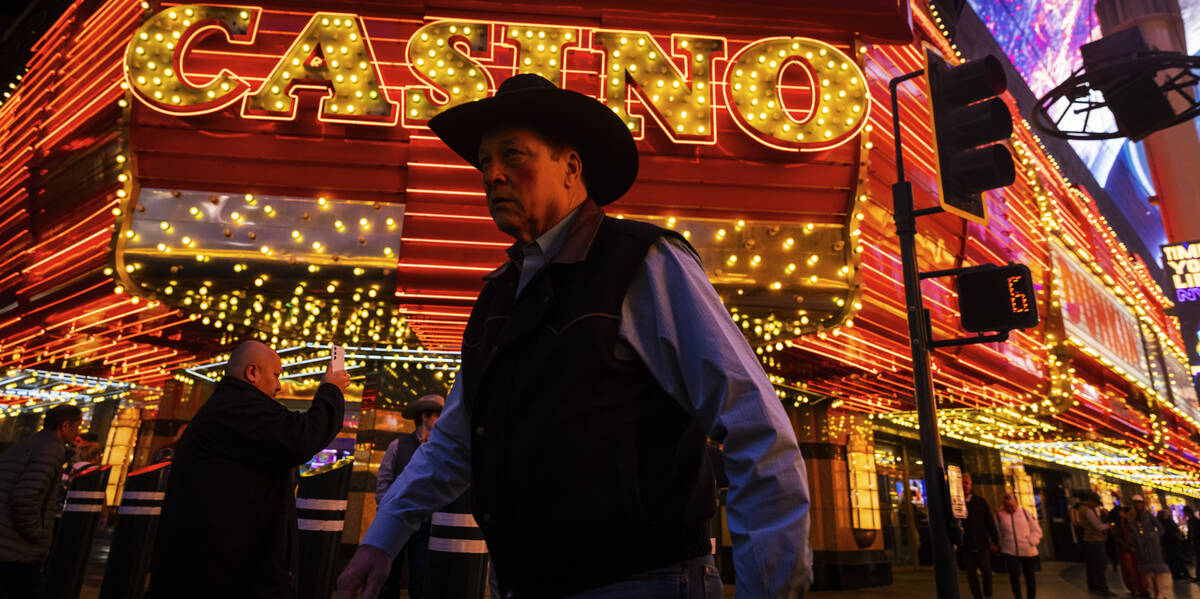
1041	37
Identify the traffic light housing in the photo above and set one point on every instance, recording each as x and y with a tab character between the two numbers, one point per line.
996	298
968	119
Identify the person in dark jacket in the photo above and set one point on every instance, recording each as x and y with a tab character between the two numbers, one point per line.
1172	545
424	412
980	539
228	526
1193	536
30	472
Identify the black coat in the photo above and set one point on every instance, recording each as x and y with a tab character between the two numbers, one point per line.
979	529
228	525
30	474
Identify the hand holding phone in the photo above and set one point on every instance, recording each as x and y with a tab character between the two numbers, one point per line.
337	358
335	372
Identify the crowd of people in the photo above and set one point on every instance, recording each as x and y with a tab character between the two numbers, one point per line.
1148	549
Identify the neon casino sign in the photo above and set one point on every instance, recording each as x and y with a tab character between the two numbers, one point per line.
332	55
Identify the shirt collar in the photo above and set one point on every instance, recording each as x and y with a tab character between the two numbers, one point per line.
566	242
549	242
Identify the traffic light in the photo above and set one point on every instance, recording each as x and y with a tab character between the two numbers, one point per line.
968	119
996	298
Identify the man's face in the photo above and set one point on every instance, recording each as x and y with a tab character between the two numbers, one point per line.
966	480
264	374
430	419
528	188
1010	504
68	432
1139	506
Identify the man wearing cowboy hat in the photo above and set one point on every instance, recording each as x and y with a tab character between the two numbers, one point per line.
1095	534
595	362
424	412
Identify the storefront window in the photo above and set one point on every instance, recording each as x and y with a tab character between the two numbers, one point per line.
118	452
1018	482
1153	503
864	490
1109	491
1175	505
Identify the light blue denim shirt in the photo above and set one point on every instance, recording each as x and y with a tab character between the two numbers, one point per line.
674	321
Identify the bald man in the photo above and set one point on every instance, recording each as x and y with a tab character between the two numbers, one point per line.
228	526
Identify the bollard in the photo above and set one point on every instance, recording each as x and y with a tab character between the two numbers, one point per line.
458	560
76	530
133	537
321	516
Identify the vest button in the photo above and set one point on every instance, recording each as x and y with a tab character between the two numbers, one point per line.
479	430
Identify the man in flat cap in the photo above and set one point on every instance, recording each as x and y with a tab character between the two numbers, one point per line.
424	412
595	362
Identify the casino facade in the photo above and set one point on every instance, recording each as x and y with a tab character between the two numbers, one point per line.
178	177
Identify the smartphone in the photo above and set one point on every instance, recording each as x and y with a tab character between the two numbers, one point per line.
337	358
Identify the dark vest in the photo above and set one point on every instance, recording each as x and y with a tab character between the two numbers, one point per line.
584	471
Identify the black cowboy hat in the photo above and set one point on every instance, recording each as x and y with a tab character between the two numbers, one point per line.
605	146
427	403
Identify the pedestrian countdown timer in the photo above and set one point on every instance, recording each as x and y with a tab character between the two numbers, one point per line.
996	298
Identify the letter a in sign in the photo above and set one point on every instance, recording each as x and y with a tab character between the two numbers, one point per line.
330	55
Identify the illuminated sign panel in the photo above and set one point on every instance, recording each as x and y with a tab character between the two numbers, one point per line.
1096	320
676	86
1179	378
1181	262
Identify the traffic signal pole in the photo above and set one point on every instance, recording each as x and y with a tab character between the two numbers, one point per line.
937	493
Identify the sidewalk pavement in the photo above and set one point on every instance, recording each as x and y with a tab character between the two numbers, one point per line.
1057	580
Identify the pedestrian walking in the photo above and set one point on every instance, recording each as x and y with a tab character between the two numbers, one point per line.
30	476
1172	545
595	362
980	539
1147	532
1095	533
1020	534
424	411
1119	533
228	526
1193	537
910	526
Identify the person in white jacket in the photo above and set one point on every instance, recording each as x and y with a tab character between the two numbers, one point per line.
1019	538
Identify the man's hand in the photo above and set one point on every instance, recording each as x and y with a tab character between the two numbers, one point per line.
366	572
339	377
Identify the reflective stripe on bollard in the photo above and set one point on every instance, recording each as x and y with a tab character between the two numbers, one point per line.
76	531
321	516
458	560
133	537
